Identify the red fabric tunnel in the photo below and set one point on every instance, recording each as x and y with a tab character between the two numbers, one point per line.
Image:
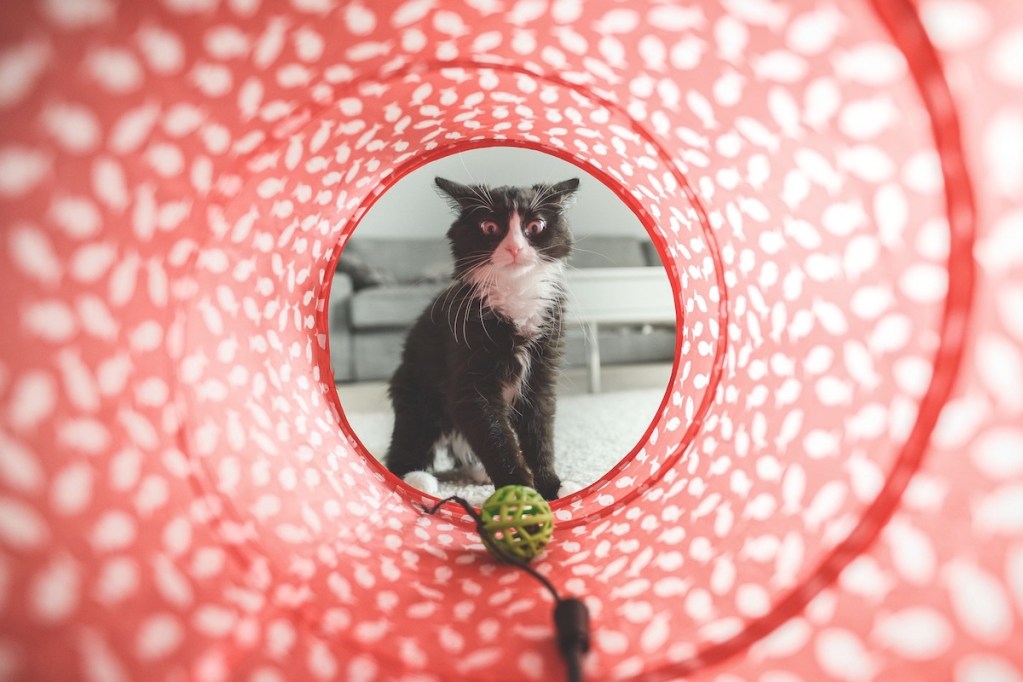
832	488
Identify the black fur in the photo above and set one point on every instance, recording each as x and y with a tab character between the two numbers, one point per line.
462	355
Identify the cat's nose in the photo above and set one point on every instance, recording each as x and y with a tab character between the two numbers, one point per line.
514	250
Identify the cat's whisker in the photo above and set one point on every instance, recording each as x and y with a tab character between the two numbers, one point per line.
486	201
532	203
478	206
478	295
482	296
483	325
577	249
447	307
569	298
463	310
470	270
471	273
445	296
490	197
540	197
472	259
465	290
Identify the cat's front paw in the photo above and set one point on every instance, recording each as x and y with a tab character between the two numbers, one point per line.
568	488
423	481
477	474
548	485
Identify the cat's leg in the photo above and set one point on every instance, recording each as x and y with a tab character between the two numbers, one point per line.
533	420
479	413
466	460
418	425
536	434
412	441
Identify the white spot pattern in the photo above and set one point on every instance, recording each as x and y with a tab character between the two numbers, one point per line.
175	190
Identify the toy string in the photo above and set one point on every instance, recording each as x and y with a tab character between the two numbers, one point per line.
571	618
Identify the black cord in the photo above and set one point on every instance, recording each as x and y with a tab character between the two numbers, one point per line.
571	617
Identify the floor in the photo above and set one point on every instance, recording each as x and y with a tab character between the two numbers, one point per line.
593	431
372	395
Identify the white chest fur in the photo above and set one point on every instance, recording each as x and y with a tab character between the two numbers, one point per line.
517	282
522	287
525	297
513	389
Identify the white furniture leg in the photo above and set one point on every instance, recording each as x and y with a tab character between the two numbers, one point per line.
594	346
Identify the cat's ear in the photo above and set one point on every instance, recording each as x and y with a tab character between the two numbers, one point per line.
565	190
559	194
458	196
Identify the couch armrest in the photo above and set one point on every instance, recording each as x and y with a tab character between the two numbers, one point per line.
650	254
339	326
341	288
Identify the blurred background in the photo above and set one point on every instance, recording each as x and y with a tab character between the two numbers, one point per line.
620	336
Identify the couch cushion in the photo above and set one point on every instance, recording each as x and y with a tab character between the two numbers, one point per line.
341	356
396	306
418	261
361	273
377	354
404	261
651	255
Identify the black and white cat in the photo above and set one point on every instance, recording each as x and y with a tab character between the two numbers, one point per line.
479	365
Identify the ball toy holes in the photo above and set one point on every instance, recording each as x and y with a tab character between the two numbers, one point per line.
517	521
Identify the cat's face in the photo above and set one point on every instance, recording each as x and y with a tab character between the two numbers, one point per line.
516	230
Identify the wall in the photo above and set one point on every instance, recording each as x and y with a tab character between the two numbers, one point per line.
413	205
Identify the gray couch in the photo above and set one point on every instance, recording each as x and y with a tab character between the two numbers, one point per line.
382	285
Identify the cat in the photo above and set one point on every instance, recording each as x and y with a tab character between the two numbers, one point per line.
479	365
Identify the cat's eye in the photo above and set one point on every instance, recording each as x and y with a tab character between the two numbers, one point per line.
489	228
535	227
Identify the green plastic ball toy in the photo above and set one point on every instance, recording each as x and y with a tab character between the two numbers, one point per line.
518	522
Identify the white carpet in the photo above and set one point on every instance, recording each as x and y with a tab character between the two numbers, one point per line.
592	433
